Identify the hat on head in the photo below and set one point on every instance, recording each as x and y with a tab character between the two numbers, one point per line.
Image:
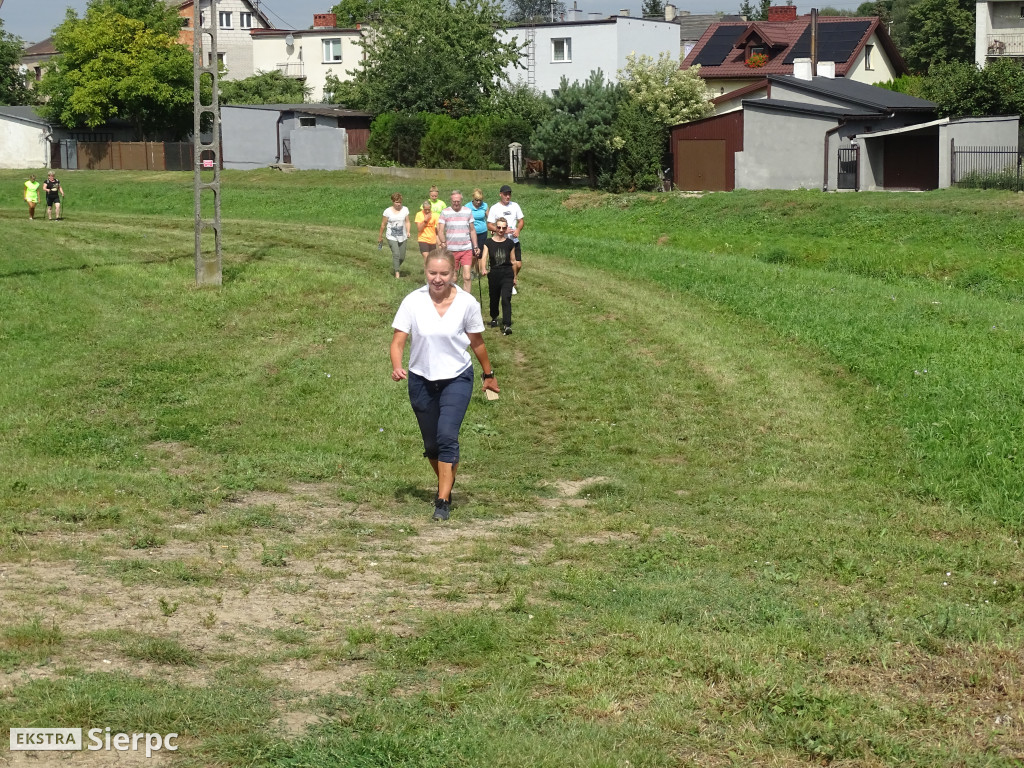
505	188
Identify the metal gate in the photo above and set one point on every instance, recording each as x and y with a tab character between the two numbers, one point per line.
849	164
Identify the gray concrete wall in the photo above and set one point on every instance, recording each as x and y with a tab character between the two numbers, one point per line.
781	151
872	165
249	137
976	132
438	175
319	148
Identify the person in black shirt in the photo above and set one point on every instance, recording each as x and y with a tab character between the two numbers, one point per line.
54	195
496	262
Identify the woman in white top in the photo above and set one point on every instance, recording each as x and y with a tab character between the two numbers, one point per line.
396	220
442	320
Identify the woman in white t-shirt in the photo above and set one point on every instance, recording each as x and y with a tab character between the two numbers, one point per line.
396	221
442	320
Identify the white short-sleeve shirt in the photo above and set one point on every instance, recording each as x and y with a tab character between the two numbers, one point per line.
396	222
511	213
438	344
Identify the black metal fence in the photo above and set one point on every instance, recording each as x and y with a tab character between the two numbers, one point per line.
986	167
848	168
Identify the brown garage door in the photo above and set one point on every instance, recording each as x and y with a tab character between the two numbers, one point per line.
701	164
911	162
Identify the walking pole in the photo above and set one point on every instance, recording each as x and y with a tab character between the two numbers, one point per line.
479	281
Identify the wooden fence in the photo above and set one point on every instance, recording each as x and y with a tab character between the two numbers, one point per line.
122	155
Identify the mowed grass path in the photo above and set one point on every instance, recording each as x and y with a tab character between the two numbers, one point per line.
680	537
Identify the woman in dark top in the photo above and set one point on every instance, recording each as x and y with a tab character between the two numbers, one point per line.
496	263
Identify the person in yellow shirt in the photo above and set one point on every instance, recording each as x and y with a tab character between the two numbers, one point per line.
436	205
426	227
32	196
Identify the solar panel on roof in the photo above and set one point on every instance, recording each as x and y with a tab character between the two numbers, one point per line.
718	47
836	41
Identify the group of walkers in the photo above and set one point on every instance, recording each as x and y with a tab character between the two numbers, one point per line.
476	235
440	320
54	196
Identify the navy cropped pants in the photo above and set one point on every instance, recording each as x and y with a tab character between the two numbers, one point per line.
440	406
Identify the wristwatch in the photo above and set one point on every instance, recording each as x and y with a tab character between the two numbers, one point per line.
489	375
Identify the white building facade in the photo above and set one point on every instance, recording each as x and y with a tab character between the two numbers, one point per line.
998	30
236	19
576	47
309	54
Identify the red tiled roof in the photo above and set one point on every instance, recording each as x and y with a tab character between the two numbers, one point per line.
780	37
42	48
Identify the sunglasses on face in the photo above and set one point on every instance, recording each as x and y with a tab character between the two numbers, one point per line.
502	229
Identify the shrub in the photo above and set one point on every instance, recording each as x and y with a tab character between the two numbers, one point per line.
395	138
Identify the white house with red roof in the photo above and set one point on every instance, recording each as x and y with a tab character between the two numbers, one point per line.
741	55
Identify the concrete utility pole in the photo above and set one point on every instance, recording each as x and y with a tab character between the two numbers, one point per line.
206	157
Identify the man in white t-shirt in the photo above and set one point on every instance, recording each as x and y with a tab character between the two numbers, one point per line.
513	214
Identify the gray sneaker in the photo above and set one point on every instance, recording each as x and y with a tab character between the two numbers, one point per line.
442	509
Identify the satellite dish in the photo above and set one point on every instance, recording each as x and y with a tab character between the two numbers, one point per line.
289	40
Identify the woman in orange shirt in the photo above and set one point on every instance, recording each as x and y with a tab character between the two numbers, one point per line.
426	226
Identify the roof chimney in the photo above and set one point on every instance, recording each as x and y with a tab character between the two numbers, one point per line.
325	21
782	13
802	69
623	11
670	12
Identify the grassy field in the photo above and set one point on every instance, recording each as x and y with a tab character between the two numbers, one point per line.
751	494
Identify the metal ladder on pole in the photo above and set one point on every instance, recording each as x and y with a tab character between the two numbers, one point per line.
531	56
206	156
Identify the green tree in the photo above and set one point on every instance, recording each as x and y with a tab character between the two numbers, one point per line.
157	15
653	8
111	66
533	10
517	109
959	88
638	145
13	89
667	94
939	31
344	93
446	57
352	12
579	131
264	88
757	12
880	8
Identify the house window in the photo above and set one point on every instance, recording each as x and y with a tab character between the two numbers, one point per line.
332	49
225	19
561	49
39	74
868	50
244	20
1022	11
307	122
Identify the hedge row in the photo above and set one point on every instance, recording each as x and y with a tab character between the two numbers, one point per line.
476	142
